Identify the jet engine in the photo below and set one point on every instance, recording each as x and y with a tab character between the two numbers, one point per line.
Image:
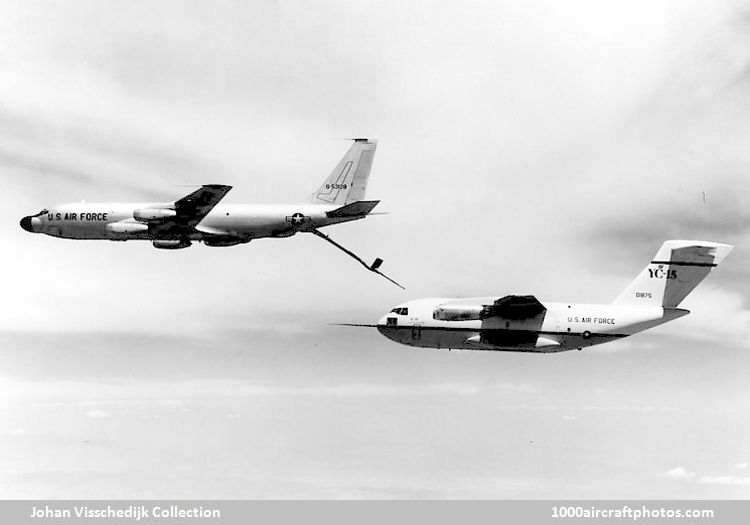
126	228
153	214
458	312
172	244
222	242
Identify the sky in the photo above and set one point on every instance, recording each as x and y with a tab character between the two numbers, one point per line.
541	148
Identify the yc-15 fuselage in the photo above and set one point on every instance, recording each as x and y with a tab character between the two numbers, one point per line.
523	323
457	324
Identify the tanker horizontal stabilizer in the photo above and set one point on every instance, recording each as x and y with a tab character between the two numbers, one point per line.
355	209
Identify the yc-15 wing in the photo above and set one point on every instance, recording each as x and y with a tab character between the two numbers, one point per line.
513	307
526	314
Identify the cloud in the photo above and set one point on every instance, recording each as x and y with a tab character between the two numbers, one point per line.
724	218
742	466
90	155
629	408
97	414
716	315
726	480
733	480
176	394
460	389
679	473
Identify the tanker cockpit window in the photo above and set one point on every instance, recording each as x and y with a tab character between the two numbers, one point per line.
400	311
45	211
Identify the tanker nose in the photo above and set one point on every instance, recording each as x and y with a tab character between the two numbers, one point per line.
29	223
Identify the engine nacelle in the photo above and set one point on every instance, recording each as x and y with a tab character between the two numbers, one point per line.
172	244
458	312
153	214
222	242
126	228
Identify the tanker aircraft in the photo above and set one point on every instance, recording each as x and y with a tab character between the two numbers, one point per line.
199	216
523	323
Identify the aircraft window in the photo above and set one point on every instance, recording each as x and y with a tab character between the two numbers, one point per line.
43	212
400	311
404	311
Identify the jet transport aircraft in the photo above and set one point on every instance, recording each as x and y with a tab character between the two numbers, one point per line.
200	217
522	323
